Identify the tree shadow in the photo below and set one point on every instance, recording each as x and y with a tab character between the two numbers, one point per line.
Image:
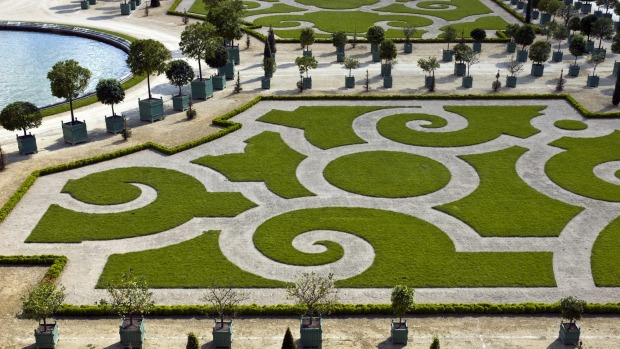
387	344
116	345
557	344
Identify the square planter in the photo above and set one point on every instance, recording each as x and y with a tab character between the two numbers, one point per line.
568	2
590	46
408	48
307	83
557	56
511	47
477	47
586	8
387	82
399	331
607	15
74	132
132	5
569	39
233	54
349	81
460	69
125	10
138	2
180	102
219	82
374	48
598	13
573	70
569	333
602	50
307	53
522	56
340	57
514	2
202	89
520	5
446	55
222	334
27	144
228	70
84	4
545	18
265	83
340	49
151	109
578	5
535	14
375	57
616	68
132	335
511	81
429	81
537	69
386	69
467	82
46	337
593	81
310	332
114	124
92	2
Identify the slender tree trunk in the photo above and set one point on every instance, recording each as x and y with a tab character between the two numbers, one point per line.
528	13
179	90
71	107
148	83
24	131
44	325
113	109
199	69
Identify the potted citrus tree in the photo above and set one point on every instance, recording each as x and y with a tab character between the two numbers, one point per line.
449	35
402	301
349	64
110	91
217	58
572	309
42	302
22	116
478	35
305	64
524	36
375	36
148	57
339	39
306	39
196	39
511	32
576	48
224	301
594	60
125	8
602	29
514	67
559	33
429	65
226	17
180	73
68	80
387	53
459	51
470	58
539	53
408	32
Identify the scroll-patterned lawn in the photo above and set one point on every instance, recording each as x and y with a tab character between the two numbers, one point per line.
605	256
450	11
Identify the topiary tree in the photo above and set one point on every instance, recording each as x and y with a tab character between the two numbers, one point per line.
514	66
339	38
217	57
179	73
449	35
306	38
511	30
42	302
586	25
615	100
607	4
429	65
596	59
577	46
129	296
192	341
147	57
615	43
20	116
566	12
269	66
478	34
351	63
525	36
460	50
196	39
572	308
559	34
435	344
110	92
305	64
574	24
539	52
288	342
375	35
317	293
387	51
402	300
470	58
224	300
227	17
271	39
603	28
68	80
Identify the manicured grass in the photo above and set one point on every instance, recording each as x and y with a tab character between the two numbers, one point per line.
198	7
408	251
195	263
605	256
571	125
487	23
266	159
485	123
387	174
504	205
573	168
180	197
337	4
276	8
295	33
250	5
325	126
464	8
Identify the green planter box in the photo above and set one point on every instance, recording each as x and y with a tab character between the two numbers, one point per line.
514	2
429	81
511	47
511	81
151	109
27	144
537	69
222	334
85	4
307	83
138	2
522	56
408	48
520	5
569	39
202	89
545	18
340	57
310	335
228	70
125	10
557	56
387	82
307	53
608	15
535	14
477	47
219	82
374	48
586	8
265	83
92	2
114	124
132	5
446	56
598	13
599	50
74	132
349	81
399	332
590	46
568	2
180	102
233	54
573	70
467	81
46	337
616	68
578	5
386	70
340	49
569	333
593	81
376	57
525	8
132	336
460	69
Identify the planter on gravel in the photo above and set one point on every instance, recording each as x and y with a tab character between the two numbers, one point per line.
27	144
557	56
616	68
429	81
597	51
132	335
593	81
578	5
511	47
223	334
265	83
151	109
132	5
375	57
535	14
408	48
180	102
568	2
92	2
307	83
387	82
386	69
310	332
219	82
374	48
545	18
467	82
84	4
590	46
569	333
349	81
520	5
511	81
477	47
125	9
573	70
586	8
46	336
460	69
114	124
202	89
537	69
74	132
307	53
522	56
399	332
228	70
446	55
233	54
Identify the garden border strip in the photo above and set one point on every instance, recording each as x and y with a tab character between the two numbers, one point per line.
508	9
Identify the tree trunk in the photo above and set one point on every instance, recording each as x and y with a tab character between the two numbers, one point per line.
71	107
148	83
528	13
199	69
113	109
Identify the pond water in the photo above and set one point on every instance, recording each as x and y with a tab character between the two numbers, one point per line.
27	57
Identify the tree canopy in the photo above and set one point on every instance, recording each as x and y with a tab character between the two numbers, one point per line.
147	57
539	52
387	51
20	116
375	35
402	300
110	92
68	80
196	40
306	37
179	73
226	18
42	302
129	296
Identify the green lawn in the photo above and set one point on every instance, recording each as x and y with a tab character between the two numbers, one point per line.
180	197
464	8
485	123
504	205
571	125
324	127
276	8
408	251
266	159
605	256
194	263
337	4
387	174
487	23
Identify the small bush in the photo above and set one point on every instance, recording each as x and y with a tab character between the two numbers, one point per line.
435	344
192	341
288	342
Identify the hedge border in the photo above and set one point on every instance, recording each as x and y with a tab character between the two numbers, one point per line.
510	10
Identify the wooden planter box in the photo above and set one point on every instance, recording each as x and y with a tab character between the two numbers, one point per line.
125	9
74	132
557	56
307	83
386	69
132	5
568	2
84	4
446	56
545	18
376	57
514	2
522	56
569	333
616	68
340	57
340	49
219	82
586	8
349	81
27	144
578	5
202	89
180	102
573	70
233	54
511	47
222	335
467	82
228	70
307	53
387	82
429	81
310	335
114	124
132	336
596	51
477	47
535	14
408	48
265	83
593	80
590	46
460	69
520	5
399	332
92	2
151	109
374	48
537	69
511	81
46	337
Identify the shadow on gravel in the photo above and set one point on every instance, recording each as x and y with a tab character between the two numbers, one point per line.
387	344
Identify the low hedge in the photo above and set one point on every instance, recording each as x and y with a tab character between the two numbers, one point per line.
56	263
510	10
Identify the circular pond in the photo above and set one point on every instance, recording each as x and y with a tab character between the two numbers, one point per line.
26	57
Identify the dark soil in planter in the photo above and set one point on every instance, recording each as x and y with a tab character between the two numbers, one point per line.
45	328
570	326
151	99
222	327
400	325
73	122
134	326
305	323
26	137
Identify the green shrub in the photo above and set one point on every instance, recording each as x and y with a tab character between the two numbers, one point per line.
192	341
288	342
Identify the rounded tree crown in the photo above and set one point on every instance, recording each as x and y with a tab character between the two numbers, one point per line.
306	37
525	35
109	91
68	79
179	72
20	116
375	35
339	38
539	52
147	57
387	50
218	57
478	34
577	46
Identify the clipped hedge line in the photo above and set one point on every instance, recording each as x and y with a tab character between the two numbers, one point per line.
56	263
509	9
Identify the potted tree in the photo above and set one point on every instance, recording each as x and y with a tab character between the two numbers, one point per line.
514	67
402	301
525	36
572	309
375	36
535	12
449	35
615	48
339	40
110	91
224	300
217	58
408	32
470	58
269	66
271	40
196	40
148	57
478	35
306	39
587	25
586	6
594	60
459	51
548	8
566	12
349	64
511	32
226	17
42	302
429	65
318	295
387	53
305	64
559	33
602	29
22	116
130	297
574	24
539	53
576	48
607	4
68	80
180	73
